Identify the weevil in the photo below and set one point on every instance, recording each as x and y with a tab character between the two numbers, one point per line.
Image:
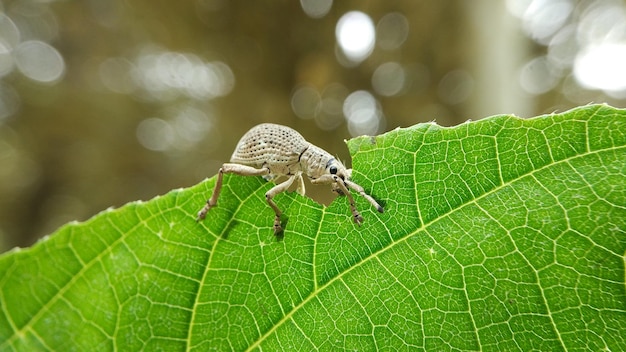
272	150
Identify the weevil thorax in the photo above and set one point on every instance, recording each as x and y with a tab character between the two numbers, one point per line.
316	162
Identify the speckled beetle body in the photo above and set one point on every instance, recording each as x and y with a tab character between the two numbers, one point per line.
271	150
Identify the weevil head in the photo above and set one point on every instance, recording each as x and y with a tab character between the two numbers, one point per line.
321	166
335	167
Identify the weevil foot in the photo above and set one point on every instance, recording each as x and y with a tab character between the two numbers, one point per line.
202	213
277	228
358	219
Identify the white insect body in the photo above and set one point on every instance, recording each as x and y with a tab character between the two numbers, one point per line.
271	150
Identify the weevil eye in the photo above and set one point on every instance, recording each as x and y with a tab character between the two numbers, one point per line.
333	170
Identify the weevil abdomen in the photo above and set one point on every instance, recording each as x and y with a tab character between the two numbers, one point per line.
275	147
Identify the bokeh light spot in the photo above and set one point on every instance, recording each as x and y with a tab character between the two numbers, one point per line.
602	21
363	113
155	134
330	114
39	61
537	77
392	31
184	127
9	34
455	87
191	126
6	60
356	35
389	79
602	67
563	48
543	18
305	102
316	8
115	75
167	75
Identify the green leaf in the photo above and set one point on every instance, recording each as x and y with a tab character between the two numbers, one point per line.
501	234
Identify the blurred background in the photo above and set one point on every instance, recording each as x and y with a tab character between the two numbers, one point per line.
105	102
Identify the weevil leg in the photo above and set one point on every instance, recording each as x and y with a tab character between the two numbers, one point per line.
361	191
228	168
211	202
301	188
355	213
325	179
279	188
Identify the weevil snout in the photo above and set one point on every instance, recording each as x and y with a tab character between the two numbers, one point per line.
335	188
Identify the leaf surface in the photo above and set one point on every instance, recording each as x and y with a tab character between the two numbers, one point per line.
500	234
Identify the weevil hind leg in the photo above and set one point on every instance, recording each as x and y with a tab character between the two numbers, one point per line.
228	168
211	202
279	188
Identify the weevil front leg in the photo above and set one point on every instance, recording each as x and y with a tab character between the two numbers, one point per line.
355	213
361	191
279	188
228	168
336	180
